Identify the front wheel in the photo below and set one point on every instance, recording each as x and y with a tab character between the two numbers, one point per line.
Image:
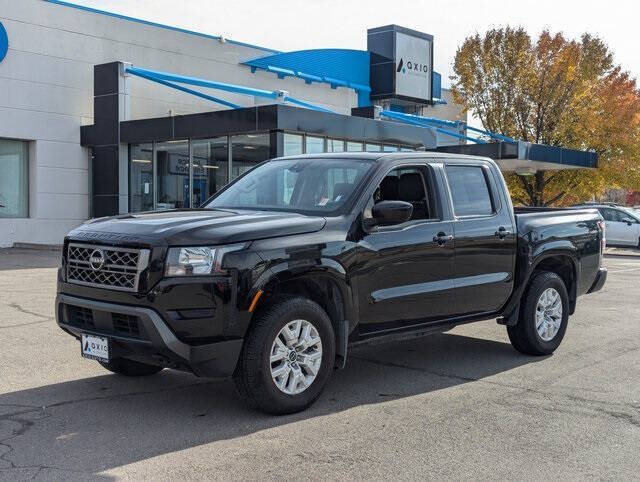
543	317
287	357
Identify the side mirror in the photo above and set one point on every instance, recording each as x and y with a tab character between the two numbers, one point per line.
629	221
388	213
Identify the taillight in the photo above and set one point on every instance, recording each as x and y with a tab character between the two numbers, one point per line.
603	238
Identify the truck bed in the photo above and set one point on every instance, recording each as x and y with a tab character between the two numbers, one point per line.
532	218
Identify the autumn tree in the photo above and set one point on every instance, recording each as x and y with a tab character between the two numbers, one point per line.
559	92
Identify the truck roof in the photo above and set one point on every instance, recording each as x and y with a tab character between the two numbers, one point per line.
383	156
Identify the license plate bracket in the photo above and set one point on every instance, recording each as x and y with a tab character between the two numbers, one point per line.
95	347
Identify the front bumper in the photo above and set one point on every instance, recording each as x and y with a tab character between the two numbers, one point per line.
598	283
152	341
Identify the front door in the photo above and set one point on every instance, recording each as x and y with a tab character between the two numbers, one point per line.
404	273
485	239
622	229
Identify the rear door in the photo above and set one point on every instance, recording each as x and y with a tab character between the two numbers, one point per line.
404	273
485	239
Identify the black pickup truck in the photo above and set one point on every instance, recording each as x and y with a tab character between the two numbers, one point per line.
284	269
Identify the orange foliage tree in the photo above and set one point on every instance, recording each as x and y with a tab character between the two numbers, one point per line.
559	92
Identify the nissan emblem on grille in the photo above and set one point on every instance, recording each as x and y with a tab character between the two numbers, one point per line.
109	267
97	259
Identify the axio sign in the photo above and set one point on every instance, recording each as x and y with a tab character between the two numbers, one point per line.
413	71
400	65
4	42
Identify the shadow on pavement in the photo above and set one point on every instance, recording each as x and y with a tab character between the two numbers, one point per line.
94	424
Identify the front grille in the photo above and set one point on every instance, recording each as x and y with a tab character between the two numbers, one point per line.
80	316
125	324
104	323
106	266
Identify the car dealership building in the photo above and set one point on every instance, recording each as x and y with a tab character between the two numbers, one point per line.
102	114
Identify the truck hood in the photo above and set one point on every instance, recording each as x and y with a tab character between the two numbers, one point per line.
185	227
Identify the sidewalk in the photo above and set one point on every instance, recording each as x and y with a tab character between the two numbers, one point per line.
630	252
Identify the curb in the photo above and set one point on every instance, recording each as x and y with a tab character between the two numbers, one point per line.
622	253
38	247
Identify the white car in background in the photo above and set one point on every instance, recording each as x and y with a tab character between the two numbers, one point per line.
622	224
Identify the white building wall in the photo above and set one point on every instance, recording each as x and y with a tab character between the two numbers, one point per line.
448	111
46	94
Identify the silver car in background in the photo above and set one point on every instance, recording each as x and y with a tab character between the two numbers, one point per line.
622	224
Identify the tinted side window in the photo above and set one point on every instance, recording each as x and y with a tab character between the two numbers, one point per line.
609	214
623	216
406	184
469	191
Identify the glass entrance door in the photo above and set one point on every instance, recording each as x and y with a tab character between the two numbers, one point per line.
210	167
140	177
172	167
247	151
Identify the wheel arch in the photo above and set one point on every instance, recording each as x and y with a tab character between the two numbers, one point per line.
325	284
566	267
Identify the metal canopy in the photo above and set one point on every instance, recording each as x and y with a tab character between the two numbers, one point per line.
527	157
336	67
510	154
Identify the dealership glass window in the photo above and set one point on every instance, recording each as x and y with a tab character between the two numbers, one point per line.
293	144
353	146
247	151
406	149
210	167
140	177
388	148
335	145
172	167
370	147
314	145
14	179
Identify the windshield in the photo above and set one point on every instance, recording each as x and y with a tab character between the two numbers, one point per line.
299	185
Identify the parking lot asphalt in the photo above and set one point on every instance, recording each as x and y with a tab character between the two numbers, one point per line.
459	405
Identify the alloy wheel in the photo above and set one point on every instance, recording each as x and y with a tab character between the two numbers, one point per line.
548	314
295	357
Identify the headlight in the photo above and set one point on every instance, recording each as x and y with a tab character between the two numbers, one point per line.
197	261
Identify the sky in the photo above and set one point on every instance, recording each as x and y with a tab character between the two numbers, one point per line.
294	25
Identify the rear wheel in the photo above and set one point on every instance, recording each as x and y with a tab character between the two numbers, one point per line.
130	368
543	317
287	357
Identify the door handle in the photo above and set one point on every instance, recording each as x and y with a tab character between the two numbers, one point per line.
502	232
441	238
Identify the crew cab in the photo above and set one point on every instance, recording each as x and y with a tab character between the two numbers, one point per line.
279	273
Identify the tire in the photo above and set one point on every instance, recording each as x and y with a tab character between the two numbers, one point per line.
130	368
524	335
253	376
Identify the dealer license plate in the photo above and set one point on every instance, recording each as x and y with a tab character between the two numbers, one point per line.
95	347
